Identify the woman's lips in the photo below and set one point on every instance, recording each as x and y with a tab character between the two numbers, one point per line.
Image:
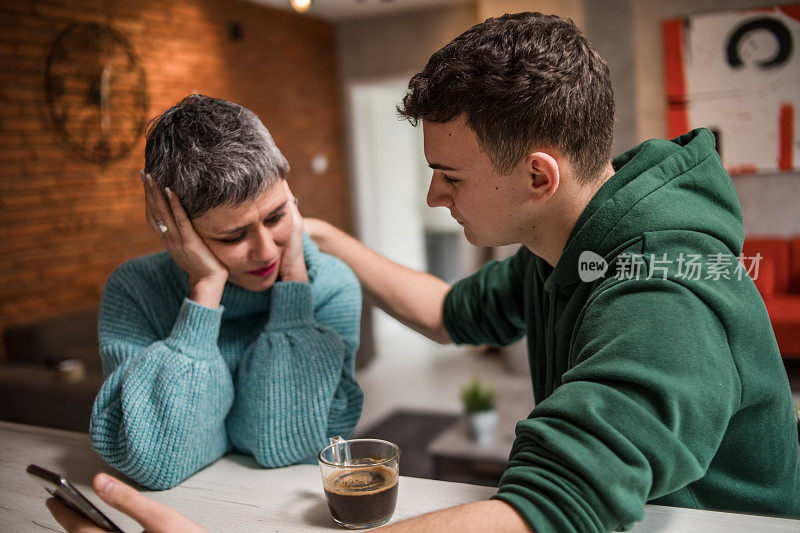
264	271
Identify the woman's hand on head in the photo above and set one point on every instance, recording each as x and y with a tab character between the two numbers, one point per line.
293	262
207	274
154	517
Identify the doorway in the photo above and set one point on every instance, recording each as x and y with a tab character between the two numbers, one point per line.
390	184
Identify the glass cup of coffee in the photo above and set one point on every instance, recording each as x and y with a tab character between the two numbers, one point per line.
360	479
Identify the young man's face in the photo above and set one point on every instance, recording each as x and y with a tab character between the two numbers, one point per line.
465	182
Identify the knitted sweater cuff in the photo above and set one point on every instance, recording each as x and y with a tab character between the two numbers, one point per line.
292	305
196	330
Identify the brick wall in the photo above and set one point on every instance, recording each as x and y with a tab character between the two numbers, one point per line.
66	223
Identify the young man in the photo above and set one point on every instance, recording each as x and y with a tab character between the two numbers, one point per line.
659	381
655	371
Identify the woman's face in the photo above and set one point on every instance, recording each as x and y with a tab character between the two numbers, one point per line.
249	239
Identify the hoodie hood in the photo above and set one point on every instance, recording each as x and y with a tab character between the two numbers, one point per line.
658	185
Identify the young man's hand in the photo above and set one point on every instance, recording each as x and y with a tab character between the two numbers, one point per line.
414	298
154	517
318	230
293	263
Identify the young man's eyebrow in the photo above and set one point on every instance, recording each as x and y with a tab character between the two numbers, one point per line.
237	230
437	166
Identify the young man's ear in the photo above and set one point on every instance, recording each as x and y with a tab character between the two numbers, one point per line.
544	175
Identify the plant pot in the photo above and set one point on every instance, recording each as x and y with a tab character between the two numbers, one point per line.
482	426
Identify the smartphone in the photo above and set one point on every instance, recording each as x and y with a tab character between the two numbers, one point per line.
66	493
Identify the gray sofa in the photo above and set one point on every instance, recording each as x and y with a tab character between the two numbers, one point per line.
32	390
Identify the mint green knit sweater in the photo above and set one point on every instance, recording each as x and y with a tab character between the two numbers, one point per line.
269	373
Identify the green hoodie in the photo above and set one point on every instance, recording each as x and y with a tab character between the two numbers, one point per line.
656	387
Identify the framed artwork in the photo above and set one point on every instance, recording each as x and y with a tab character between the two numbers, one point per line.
738	74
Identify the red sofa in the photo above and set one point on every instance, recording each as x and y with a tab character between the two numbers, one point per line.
778	282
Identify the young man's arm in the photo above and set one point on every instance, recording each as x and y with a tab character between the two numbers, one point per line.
491	515
414	298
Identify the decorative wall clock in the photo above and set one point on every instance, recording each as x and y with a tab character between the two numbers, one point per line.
96	91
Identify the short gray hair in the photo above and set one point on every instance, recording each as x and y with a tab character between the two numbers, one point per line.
210	153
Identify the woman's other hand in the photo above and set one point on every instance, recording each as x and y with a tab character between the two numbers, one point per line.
154	517
207	274
293	262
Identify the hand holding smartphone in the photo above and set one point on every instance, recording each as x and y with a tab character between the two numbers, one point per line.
61	489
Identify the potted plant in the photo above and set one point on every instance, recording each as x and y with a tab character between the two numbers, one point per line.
478	400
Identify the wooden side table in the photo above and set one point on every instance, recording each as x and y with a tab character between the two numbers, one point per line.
457	457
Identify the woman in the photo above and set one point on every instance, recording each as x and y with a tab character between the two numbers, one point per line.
241	336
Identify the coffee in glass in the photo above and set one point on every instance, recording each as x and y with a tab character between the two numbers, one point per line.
360	479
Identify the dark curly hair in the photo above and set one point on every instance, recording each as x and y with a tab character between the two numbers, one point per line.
522	80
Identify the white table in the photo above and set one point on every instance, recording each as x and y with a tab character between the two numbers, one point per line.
234	494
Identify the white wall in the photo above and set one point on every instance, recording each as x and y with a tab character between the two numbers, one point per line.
397	45
770	203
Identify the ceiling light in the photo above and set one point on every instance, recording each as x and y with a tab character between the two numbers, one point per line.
301	6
